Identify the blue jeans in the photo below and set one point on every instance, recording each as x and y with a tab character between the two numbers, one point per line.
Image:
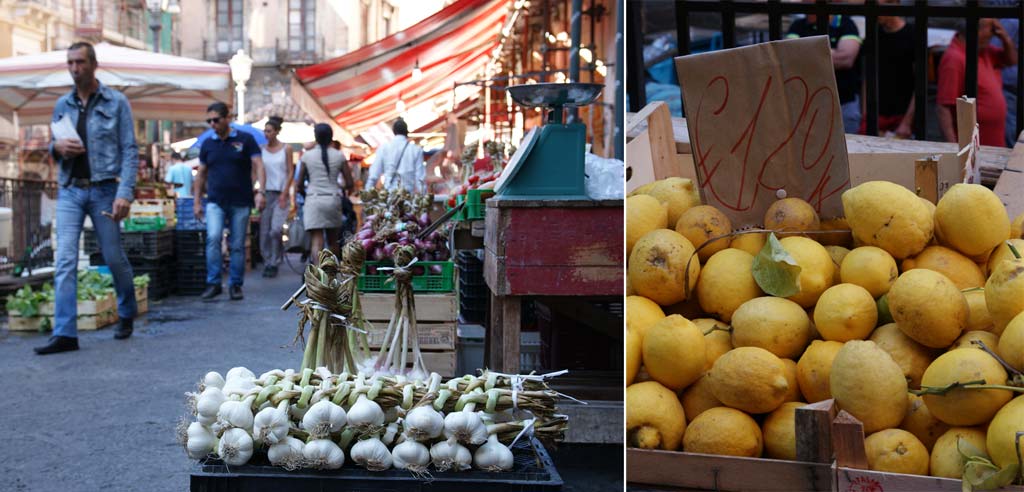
73	204
851	115
238	223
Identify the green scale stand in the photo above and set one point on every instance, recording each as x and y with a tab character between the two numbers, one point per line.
549	163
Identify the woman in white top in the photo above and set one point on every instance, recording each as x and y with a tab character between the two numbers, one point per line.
321	212
277	160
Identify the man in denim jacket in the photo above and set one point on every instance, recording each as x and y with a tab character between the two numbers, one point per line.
96	178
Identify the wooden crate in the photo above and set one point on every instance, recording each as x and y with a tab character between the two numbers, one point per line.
85	308
143	305
92	322
429	307
152	207
17	322
725	473
432	336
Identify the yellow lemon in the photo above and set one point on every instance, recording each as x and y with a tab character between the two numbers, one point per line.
793	393
1002	252
868	384
777	325
677	194
642	313
1004	293
751	242
673	352
816	270
814	368
791	215
896	451
964	272
921	423
702	223
780	432
838	254
990	339
1011	343
751	379
1002	432
727	281
977	317
971	218
644	214
870	267
698	397
634	345
654	417
717	339
845	312
724	431
912	357
946	460
928	307
1017	227
658	267
965	406
889	216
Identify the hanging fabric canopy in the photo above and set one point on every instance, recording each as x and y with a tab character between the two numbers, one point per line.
159	86
360	89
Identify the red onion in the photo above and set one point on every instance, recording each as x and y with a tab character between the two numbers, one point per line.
371	270
367	243
424	219
364	234
378	254
436	269
389	249
418	270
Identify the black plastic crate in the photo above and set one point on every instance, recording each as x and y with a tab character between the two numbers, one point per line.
147	245
161	276
190	279
473	310
190	244
474	288
531	473
468	263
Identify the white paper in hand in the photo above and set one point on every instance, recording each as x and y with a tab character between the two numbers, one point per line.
63	129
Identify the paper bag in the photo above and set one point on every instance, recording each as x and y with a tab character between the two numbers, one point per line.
765	122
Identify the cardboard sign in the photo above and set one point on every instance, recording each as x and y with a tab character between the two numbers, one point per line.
764	123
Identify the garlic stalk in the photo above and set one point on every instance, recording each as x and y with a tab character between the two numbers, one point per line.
493	455
270	425
466	427
423	423
200	441
450	455
411	455
365	416
323	418
323	454
236	414
235	447
287	453
371	454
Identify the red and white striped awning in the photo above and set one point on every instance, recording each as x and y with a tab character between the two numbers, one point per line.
159	86
360	89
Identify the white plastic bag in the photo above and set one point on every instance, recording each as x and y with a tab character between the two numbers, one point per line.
604	177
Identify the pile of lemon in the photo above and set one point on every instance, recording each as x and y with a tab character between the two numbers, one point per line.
888	300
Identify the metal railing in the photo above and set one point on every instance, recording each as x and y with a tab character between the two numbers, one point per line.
26	200
919	12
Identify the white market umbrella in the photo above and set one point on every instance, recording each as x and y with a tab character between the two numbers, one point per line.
158	86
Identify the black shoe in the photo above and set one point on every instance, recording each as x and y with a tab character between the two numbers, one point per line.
211	292
266	271
236	292
270	272
124	330
58	344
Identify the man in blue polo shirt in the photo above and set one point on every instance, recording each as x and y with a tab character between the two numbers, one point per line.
231	160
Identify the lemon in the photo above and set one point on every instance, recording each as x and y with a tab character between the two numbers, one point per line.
965	406
868	384
971	219
1002	433
928	307
677	194
717	339
702	223
658	266
727	281
845	312
751	379
978	317
644	214
793	393
896	451
1004	293
889	216
912	357
673	352
839	233
791	215
946	460
838	254
634	345
964	272
814	368
816	270
641	313
698	397
870	267
1011	343
921	423
654	417
780	432
990	339
777	325
751	242
724	431
1002	252
1017	227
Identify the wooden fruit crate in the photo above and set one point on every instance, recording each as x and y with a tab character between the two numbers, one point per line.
17	322
432	336
152	207
429	307
695	471
92	322
436	316
85	308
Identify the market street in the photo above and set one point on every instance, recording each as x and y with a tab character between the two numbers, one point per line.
104	417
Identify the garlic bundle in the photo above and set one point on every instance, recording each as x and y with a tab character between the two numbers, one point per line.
200	441
287	453
213	379
237	414
365	415
493	455
371	454
323	418
208	404
466	427
411	455
239	381
270	426
239	372
235	447
323	454
423	423
450	455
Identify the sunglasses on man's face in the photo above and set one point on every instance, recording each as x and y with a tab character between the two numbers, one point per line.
212	121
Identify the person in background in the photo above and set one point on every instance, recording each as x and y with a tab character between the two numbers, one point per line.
277	161
231	160
96	178
991	104
844	37
399	162
895	76
322	211
1011	27
180	175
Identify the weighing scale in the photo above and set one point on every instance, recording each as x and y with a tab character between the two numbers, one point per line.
550	160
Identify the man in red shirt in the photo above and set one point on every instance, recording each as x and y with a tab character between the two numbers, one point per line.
990	102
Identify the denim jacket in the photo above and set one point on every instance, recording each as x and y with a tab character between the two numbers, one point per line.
111	145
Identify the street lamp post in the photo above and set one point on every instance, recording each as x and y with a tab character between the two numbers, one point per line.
241	69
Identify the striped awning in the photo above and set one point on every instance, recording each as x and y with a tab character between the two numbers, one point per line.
159	86
360	89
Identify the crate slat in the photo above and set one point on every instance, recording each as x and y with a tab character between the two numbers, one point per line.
432	336
429	307
725	473
20	323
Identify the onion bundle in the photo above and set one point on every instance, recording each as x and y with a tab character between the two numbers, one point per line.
395	219
317	419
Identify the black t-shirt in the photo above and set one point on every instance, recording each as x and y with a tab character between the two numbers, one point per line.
895	70
229	168
839	27
80	164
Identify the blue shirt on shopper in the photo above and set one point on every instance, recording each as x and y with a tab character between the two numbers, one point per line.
229	168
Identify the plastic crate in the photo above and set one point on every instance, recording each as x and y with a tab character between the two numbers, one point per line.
160	271
187	220
473	311
529	474
473	288
147	245
426	282
146	224
475	208
190	278
190	244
